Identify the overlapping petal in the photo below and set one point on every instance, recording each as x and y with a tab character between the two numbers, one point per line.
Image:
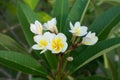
51	25
90	39
36	28
77	29
58	43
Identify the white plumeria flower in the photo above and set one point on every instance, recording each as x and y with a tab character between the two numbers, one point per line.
51	25
77	29
90	39
42	42
36	28
58	43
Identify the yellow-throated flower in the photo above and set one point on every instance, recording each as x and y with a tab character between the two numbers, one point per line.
42	42
58	43
77	29
51	25
36	28
90	39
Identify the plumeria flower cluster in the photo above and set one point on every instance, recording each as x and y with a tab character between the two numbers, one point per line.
48	38
78	30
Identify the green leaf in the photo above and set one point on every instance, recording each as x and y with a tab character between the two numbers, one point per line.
60	11
103	24
32	3
21	62
96	78
44	17
92	52
110	65
9	44
78	11
39	79
52	60
26	16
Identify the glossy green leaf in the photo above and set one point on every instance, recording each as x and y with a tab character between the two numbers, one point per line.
103	24
52	60
44	17
78	11
92	53
60	11
32	3
26	16
21	62
9	44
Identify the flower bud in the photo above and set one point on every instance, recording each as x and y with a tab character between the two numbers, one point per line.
69	58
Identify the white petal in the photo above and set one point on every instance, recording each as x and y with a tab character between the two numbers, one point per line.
89	40
86	41
45	26
77	24
43	51
72	31
71	26
64	49
33	28
36	47
89	34
38	27
49	35
53	21
55	52
83	31
37	38
61	35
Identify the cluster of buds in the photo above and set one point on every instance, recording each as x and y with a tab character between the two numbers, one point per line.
47	36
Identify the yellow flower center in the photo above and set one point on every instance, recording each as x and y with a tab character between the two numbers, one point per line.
78	31
57	44
43	43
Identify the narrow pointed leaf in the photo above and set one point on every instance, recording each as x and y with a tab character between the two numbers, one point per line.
60	11
105	22
52	60
26	16
92	53
78	11
9	44
21	62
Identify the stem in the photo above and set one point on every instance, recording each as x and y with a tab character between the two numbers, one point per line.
59	72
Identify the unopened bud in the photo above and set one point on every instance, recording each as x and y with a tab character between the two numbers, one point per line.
70	58
116	57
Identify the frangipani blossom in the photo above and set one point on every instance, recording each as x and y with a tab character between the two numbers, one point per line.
90	39
42	41
77	29
58	43
36	28
51	25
